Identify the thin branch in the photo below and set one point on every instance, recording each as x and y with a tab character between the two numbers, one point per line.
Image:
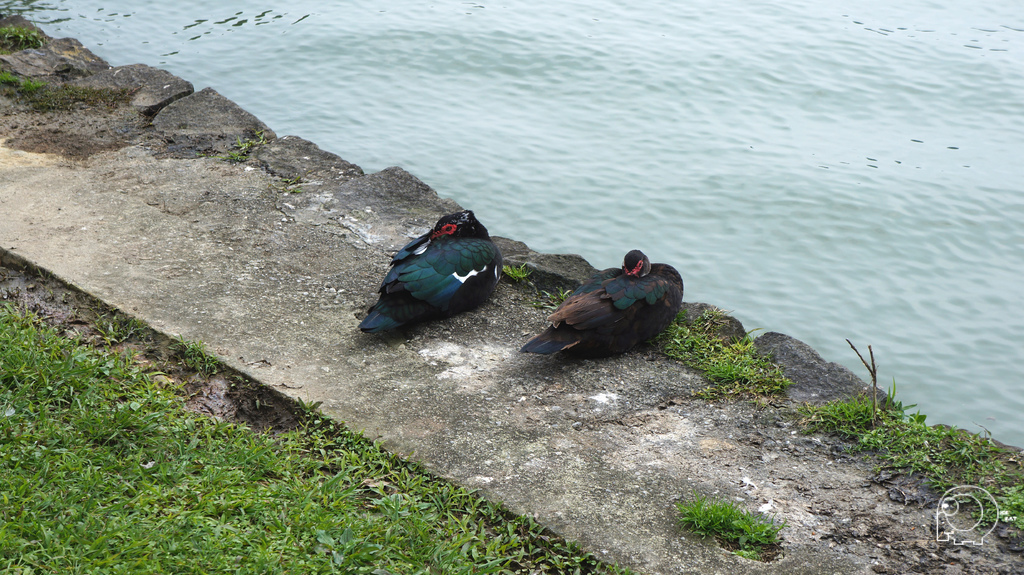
873	370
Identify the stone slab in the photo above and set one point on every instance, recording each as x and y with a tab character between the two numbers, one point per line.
153	88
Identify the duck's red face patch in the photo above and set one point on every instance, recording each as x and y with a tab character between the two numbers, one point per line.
446	230
636	270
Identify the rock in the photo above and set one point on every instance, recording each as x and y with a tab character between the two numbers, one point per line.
63	57
293	157
729	328
814	379
549	272
207	120
396	190
155	88
365	205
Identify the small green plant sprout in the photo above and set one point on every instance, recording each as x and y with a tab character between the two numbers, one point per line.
291	185
193	354
735	368
30	86
550	301
116	328
749	535
14	39
517	273
16	85
245	147
1011	506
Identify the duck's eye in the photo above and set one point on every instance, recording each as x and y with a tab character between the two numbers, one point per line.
446	230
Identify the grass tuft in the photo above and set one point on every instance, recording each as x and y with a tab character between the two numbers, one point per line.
517	273
117	328
291	185
194	355
14	39
747	534
735	368
549	301
244	147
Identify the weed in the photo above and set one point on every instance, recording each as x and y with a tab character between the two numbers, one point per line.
286	185
116	328
550	301
193	354
292	185
735	368
517	273
14	39
31	87
747	534
244	147
1011	505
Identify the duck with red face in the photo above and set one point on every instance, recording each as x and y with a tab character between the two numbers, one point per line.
614	310
450	269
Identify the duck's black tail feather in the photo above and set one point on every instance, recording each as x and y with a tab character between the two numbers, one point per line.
550	341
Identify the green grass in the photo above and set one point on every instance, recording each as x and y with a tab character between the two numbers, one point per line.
734	367
549	301
1011	505
193	355
18	85
517	273
945	456
44	97
14	39
291	185
104	471
244	147
117	328
747	534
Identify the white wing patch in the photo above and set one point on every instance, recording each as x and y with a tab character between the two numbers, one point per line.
422	248
462	279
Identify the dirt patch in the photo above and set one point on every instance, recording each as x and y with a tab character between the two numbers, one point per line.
69	145
74	135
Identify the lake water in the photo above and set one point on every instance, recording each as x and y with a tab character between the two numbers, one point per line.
829	170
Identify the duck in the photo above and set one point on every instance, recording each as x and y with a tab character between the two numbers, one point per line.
450	269
614	310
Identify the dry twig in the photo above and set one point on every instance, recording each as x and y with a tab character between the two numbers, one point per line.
873	370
